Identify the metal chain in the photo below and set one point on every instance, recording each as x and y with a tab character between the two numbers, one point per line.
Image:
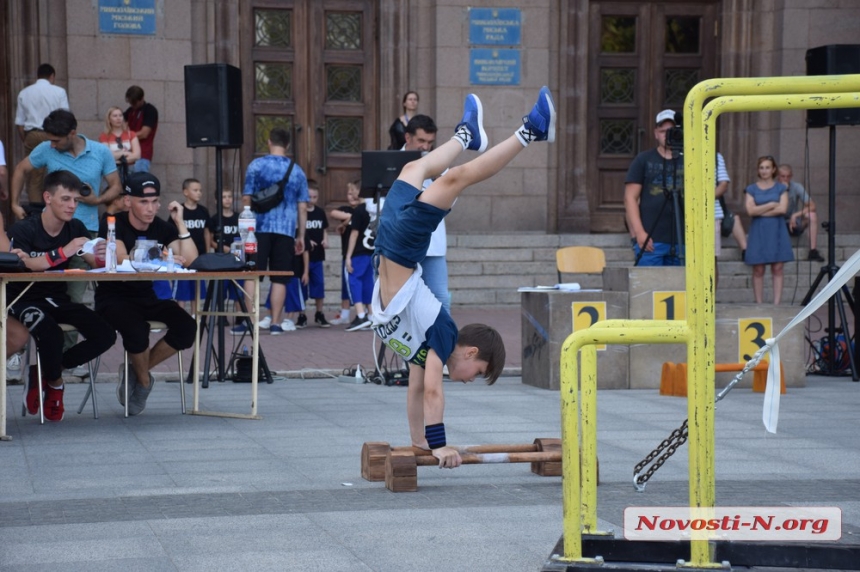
679	436
754	361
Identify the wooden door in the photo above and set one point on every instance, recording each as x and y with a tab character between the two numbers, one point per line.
645	57
309	66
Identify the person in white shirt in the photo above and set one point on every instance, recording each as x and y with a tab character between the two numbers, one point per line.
35	103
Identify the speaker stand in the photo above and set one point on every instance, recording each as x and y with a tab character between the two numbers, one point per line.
830	271
215	292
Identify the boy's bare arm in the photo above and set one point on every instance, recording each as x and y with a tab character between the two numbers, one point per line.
434	408
415	407
306	262
434	394
347	258
340	215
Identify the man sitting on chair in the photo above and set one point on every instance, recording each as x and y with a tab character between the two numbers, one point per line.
129	306
50	240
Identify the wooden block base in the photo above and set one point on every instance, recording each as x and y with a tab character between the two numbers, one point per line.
373	454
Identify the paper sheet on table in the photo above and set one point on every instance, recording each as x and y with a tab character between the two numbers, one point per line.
144	267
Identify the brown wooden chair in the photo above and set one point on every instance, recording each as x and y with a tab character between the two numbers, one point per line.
579	260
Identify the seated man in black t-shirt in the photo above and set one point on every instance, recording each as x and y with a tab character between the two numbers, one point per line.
50	240
127	306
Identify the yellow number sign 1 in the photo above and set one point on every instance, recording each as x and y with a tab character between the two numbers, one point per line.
670	305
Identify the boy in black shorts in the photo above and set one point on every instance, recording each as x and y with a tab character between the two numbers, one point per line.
406	315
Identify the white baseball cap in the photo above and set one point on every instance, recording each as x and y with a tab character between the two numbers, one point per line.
666	115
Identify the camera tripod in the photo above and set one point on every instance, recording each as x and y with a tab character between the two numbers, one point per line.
829	270
672	196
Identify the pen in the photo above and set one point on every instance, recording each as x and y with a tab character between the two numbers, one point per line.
11	244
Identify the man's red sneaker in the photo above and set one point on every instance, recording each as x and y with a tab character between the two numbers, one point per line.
54	409
33	390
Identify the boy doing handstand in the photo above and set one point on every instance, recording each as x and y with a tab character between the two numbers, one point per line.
406	315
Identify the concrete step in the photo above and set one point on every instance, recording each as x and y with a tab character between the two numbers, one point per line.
487	269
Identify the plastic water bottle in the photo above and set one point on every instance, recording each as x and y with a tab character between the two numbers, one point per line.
247	221
110	254
237	249
171	264
251	246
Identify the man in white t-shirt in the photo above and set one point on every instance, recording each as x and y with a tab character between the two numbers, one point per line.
801	212
35	103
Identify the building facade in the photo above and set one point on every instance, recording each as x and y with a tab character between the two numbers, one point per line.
333	73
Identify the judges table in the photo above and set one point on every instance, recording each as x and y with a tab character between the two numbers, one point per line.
80	276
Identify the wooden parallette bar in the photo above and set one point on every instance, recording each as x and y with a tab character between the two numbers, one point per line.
373	454
492	458
401	466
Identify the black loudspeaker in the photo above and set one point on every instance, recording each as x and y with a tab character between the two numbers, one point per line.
835	59
213	106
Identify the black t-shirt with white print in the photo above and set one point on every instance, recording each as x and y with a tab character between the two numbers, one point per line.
195	221
230	225
30	236
362	223
160	231
315	231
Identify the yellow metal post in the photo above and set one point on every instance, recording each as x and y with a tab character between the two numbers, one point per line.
700	160
698	331
588	393
606	332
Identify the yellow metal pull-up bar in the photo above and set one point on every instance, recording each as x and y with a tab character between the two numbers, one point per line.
698	330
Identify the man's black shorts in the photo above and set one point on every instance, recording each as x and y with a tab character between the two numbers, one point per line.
275	252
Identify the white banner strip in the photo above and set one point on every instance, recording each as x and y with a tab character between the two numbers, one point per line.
770	410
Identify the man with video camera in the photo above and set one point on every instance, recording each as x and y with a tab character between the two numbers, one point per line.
653	189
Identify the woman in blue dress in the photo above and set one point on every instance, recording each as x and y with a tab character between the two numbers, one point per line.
768	243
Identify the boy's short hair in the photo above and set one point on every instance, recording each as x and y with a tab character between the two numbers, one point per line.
56	179
313	184
491	348
220	194
188	181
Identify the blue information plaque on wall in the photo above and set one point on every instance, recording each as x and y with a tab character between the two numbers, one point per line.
495	26
494	67
136	17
